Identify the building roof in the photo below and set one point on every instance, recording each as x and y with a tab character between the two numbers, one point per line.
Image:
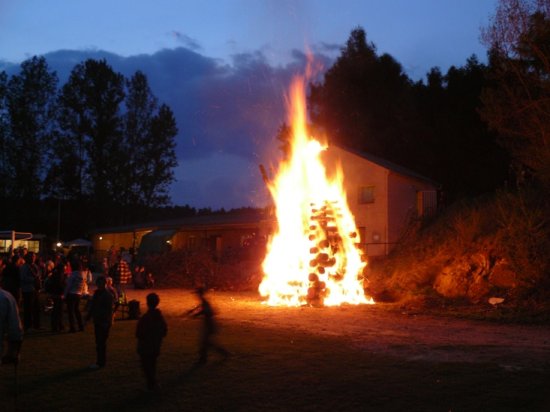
7	234
393	167
192	222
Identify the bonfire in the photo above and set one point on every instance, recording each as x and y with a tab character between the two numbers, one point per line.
314	257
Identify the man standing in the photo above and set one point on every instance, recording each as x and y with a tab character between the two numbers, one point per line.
30	288
11	281
121	276
101	310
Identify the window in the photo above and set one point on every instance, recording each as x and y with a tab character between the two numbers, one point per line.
31	245
366	194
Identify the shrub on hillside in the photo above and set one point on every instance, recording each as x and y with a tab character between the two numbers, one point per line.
524	238
492	246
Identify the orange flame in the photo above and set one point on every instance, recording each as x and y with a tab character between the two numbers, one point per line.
313	257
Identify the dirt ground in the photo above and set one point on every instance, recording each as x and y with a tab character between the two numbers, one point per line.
375	329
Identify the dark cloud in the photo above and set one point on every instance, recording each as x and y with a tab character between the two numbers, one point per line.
185	40
227	114
329	47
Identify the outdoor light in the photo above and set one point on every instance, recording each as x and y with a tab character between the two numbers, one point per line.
101	238
58	244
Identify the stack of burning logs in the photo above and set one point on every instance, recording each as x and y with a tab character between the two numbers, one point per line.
326	241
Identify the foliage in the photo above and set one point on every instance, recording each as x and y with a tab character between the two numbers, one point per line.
496	245
516	103
5	171
367	103
364	101
90	121
30	101
149	142
524	237
454	145
100	142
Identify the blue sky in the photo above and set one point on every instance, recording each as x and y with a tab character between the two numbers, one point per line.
224	65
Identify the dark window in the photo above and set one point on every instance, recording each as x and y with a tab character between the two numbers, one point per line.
366	194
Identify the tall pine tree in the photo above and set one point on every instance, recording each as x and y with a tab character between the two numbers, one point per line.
149	138
30	99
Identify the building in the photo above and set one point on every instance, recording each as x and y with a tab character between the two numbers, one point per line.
218	233
12	240
383	197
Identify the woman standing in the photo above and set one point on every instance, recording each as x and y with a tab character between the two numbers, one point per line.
76	287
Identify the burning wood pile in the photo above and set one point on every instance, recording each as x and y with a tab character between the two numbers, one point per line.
314	258
325	244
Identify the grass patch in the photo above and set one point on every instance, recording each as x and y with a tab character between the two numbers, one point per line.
270	370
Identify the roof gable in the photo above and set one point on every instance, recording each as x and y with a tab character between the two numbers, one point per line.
386	164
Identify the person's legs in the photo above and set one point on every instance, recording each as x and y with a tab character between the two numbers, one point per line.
36	310
101	335
57	312
27	310
77	312
71	311
148	364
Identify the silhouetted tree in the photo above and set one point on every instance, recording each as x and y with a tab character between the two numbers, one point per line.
457	147
140	108
364	101
160	158
517	103
149	138
30	99
367	103
92	130
90	147
4	146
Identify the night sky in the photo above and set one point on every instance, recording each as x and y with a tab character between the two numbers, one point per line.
223	66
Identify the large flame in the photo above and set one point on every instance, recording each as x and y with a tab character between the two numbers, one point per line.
313	258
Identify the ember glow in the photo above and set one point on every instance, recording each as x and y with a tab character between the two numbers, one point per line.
313	258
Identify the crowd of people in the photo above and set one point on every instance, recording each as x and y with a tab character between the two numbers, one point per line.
53	281
65	282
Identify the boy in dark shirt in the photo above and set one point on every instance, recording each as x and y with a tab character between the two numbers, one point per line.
101	310
151	329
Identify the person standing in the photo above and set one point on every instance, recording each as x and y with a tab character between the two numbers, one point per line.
11	281
56	288
150	330
75	288
30	288
121	276
209	328
10	324
101	310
